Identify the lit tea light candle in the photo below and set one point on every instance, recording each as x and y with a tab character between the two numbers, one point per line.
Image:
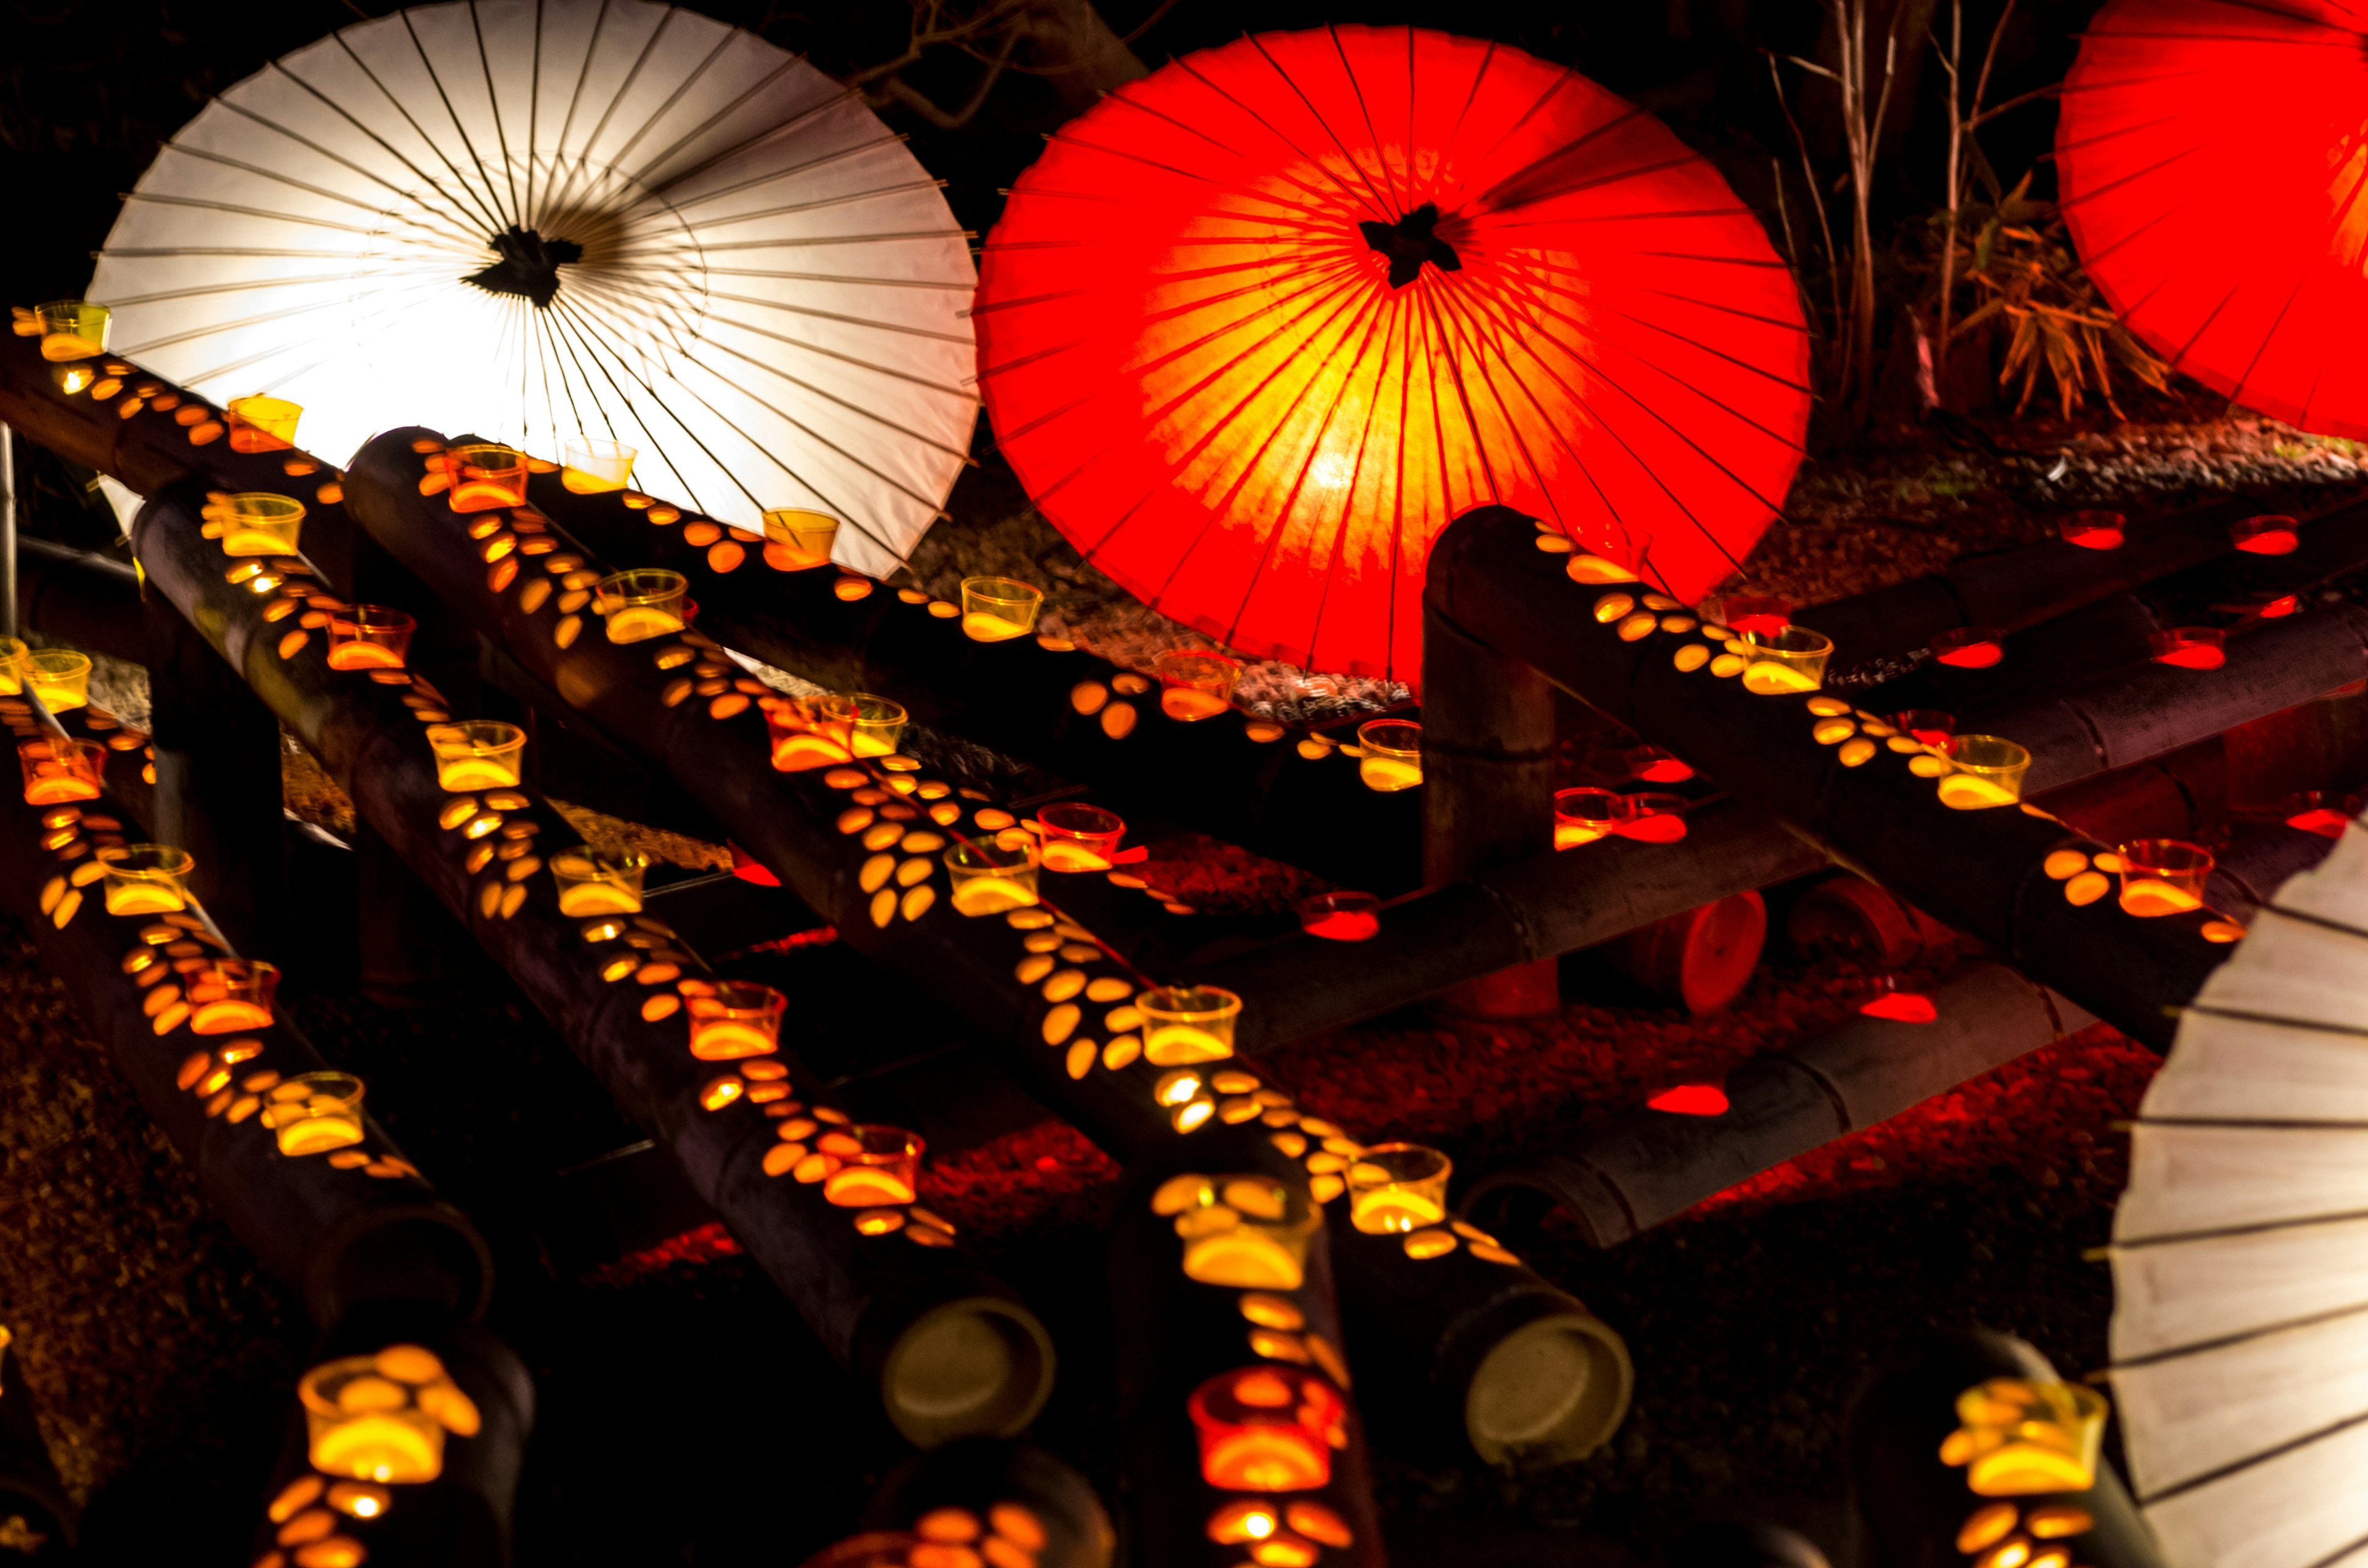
1784	661
60	677
1928	726
73	329
262	424
595	468
1397	1188
741	1018
72	377
993	876
1584	814
1186	1024
486	478
146	879
1986	772
646	602
1195	684
369	637
382	1418
1393	755
800	538
1077	837
996	609
1251	1232
2190	647
592	881
314	1112
260	523
2268	534
1342	916
2094	530
58	769
1969	647
879	1166
1267	1429
2163	875
233	995
1650	818
477	754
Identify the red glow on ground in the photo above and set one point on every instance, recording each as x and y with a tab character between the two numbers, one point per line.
2323	821
1661	827
1666	770
2199	656
2088	538
2275	542
1345	925
747	871
2283	605
1973	656
1902	1007
1690	1099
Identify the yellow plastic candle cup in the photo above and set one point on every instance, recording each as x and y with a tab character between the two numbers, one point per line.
1248	1232
146	879
807	733
73	329
2020	1438
1393	759
875	726
363	1425
262	424
1988	773
803	538
741	1018
369	637
1397	1188
486	478
477	754
1584	814
1786	660
595	468
646	602
16	658
60	677
879	1166
991	876
314	1112
1077	837
1196	684
1185	1024
262	524
2163	875
591	882
231	995
996	609
58	769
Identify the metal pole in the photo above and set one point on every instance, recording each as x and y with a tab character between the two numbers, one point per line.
7	532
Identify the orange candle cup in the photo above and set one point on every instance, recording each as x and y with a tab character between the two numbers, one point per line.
260	523
1988	773
595	468
810	732
1077	837
593	882
1195	684
741	1018
16	662
262	424
2269	535
992	877
73	329
805	538
646	602
1185	1024
1783	661
1397	1188
2163	875
1346	916
314	1112
58	769
369	637
362	1424
60	677
1969	647
2190	647
1584	814
1267	1429
996	609
878	1167
1393	759
146	879
1251	1232
2094	530
486	478
477	754
231	995
1651	818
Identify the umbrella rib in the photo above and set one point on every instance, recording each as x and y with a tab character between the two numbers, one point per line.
885	138
574	100
493	196
846	240
898	327
276	176
1684	159
1489	198
1380	203
1155	112
202	205
1185	65
964	394
2244	1337
1737	360
2259	1456
2321	921
533	136
150	346
562	346
1387	322
460	183
1366	112
580	330
2252	1228
649	46
818	206
1455	132
782	128
1794	325
387	308
458	213
501	136
788	63
681	87
121	301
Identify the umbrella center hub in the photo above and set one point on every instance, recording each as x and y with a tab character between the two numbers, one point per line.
529	266
1411	242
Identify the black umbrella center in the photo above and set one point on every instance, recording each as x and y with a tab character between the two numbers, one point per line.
529	265
1409	242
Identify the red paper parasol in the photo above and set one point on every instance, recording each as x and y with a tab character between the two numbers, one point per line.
1255	329
2213	157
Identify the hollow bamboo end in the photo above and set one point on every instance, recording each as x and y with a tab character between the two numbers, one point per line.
975	1367
1553	1391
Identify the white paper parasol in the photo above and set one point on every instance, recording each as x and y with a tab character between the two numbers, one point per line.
2240	1251
540	219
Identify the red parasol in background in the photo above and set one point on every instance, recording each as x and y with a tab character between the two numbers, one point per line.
1255	329
2213	158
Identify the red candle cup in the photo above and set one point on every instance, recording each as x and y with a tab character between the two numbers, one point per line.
485	477
1901	1006
2268	534
1928	726
2094	530
1267	1429
369	637
1749	612
1654	766
1969	647
1652	818
233	995
2191	647
1343	916
2277	607
1078	838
